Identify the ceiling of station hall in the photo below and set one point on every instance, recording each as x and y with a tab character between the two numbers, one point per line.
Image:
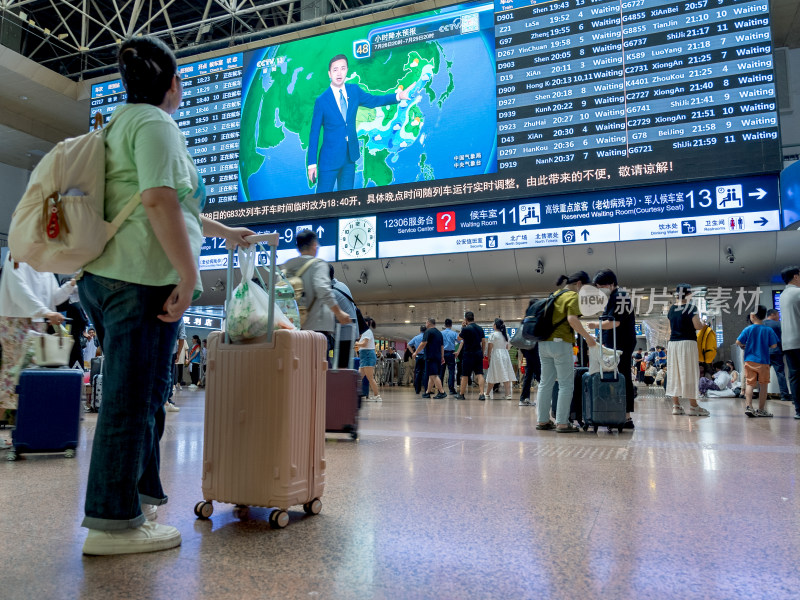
79	38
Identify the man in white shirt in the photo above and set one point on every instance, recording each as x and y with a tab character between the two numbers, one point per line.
790	331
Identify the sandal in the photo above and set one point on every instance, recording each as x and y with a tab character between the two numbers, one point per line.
545	426
569	428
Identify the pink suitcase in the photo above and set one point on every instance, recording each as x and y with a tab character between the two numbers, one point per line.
264	435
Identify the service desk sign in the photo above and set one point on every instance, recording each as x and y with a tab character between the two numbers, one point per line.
669	211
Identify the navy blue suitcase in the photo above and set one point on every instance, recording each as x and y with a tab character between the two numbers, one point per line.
48	411
604	400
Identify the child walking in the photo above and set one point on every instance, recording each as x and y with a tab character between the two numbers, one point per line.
756	340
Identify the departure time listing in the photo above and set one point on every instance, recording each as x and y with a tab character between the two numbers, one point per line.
208	117
624	92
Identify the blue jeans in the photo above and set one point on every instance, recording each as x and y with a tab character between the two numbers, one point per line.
124	470
557	362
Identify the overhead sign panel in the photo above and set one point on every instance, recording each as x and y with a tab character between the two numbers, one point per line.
682	210
214	254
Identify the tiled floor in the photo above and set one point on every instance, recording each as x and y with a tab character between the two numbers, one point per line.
450	500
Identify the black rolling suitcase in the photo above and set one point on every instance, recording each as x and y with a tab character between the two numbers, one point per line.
576	406
604	399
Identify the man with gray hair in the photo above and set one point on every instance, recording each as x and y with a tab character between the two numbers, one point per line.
318	299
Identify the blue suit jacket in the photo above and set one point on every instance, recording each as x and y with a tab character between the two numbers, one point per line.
339	141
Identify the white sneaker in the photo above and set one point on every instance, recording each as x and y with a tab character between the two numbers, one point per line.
150	537
150	511
697	411
193	387
172	408
377	399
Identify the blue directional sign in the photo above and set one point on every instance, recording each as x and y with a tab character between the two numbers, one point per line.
668	211
214	255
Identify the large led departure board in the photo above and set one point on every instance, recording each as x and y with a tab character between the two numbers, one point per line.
510	100
208	116
607	93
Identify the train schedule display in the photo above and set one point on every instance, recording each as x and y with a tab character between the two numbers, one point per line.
598	94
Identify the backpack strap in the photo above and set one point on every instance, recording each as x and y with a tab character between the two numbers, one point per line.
126	212
128	209
299	273
556	295
345	294
304	268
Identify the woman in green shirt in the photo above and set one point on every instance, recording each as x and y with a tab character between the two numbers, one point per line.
136	292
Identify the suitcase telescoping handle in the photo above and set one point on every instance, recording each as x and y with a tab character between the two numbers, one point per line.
271	239
337	338
614	375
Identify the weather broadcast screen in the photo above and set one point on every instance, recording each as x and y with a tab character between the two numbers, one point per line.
483	101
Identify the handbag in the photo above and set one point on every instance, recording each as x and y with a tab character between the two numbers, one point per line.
51	350
518	340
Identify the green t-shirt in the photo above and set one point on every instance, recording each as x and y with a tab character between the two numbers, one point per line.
145	149
565	304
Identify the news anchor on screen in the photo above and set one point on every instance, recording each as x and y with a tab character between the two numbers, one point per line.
335	114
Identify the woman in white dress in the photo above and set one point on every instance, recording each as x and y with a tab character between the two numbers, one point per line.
500	368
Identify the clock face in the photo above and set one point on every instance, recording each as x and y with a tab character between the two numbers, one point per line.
357	238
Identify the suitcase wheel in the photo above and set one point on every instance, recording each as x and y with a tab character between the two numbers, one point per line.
203	509
241	511
313	507
620	429
69	453
596	428
279	519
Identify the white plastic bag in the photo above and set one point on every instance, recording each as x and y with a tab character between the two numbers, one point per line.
603	360
248	311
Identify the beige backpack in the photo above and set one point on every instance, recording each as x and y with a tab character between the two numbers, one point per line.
59	224
296	281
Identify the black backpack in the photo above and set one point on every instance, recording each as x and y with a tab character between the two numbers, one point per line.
538	322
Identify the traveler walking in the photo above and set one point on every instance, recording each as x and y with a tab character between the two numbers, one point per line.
757	340
472	351
367	359
25	295
318	301
500	368
432	347
420	378
450	336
